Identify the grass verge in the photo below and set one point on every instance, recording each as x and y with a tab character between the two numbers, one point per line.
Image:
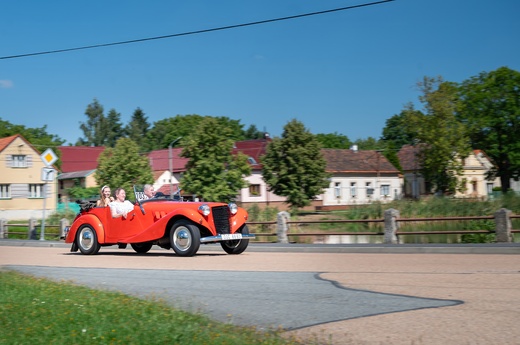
39	311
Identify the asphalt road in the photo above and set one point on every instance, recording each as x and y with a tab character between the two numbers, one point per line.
424	294
266	300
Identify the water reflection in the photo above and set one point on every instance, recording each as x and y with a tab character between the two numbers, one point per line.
404	239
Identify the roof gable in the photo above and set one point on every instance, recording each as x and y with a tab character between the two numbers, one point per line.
5	142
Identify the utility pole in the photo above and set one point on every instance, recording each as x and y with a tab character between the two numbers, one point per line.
170	160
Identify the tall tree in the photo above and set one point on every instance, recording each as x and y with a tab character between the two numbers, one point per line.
294	167
490	107
213	173
333	141
123	166
252	132
95	128
443	139
137	129
397	132
114	128
166	130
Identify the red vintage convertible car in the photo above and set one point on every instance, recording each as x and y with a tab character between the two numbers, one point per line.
179	225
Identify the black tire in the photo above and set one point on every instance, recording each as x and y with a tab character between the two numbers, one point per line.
87	241
236	246
185	238
142	248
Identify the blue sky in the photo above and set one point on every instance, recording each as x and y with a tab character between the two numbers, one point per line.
344	72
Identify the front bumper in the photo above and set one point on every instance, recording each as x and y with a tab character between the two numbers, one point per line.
227	237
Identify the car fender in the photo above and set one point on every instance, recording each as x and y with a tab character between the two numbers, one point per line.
87	219
238	220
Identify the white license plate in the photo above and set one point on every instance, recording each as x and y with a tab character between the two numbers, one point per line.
231	236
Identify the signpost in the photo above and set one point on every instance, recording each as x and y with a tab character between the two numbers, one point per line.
48	174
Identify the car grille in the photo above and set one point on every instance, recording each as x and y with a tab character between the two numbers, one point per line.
221	219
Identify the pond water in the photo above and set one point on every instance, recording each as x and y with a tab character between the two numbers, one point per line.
403	239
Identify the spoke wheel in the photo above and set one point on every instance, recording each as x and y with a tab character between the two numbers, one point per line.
236	246
87	240
185	238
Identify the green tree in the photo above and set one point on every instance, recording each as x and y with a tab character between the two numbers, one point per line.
138	128
443	139
397	132
114	128
490	107
123	166
294	167
164	131
95	128
369	143
213	173
252	132
333	141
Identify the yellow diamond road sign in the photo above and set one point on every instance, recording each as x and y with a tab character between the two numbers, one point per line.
49	157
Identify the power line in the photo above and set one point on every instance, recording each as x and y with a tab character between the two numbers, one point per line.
196	31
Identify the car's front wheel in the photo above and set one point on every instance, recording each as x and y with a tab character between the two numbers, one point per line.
87	240
236	246
185	238
142	248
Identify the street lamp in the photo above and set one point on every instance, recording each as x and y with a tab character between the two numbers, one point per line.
170	160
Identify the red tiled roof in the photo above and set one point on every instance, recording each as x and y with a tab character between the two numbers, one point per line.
408	158
160	160
347	161
4	142
252	148
79	158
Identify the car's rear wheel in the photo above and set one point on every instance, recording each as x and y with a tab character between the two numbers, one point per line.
142	247
185	238
87	240
236	246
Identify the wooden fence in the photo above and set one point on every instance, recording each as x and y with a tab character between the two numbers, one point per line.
390	228
31	230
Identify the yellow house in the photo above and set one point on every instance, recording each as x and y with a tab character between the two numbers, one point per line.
25	186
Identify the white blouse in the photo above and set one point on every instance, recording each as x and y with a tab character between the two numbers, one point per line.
122	208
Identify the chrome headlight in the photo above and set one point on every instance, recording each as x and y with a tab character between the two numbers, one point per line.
233	208
205	210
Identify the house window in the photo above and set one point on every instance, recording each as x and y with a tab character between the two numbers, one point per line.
254	190
370	190
353	189
337	190
385	189
489	187
36	191
19	161
5	192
